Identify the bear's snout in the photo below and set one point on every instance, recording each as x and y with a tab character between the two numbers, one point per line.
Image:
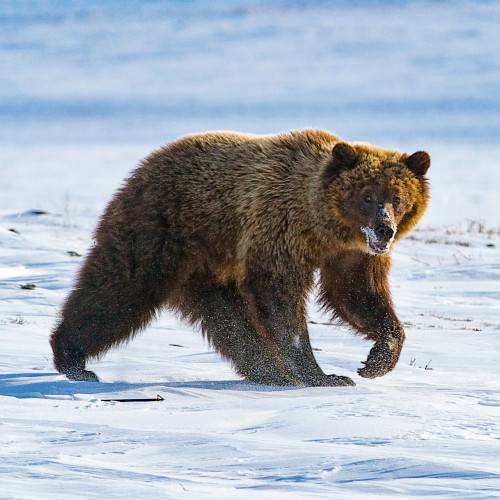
384	232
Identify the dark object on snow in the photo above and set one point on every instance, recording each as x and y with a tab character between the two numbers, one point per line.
135	400
228	230
28	286
33	211
72	253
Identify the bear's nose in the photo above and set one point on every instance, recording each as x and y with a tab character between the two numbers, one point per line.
384	232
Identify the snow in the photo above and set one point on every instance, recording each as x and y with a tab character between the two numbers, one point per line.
88	88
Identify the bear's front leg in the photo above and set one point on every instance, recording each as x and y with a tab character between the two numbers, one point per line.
276	309
355	286
384	355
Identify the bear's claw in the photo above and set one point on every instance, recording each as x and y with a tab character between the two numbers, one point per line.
380	361
80	375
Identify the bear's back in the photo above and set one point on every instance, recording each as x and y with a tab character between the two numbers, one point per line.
212	192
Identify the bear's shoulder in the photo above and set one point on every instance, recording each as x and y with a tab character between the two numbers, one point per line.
313	138
307	138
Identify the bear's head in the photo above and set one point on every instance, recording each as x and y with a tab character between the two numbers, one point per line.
376	195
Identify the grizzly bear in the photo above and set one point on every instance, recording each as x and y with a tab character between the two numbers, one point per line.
228	229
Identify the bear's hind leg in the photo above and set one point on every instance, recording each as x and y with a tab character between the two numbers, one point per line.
221	313
109	304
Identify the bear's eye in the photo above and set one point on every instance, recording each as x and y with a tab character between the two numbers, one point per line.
396	201
368	198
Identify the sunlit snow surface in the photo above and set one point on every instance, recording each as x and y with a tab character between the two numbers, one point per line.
88	88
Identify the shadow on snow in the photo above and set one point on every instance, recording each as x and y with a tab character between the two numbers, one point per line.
51	384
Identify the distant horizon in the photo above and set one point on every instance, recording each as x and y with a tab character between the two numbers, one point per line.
396	72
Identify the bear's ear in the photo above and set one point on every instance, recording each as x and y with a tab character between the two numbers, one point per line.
418	163
344	158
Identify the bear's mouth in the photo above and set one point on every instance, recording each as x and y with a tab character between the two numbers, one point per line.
376	246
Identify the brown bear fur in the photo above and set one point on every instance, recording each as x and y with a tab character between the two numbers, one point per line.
228	229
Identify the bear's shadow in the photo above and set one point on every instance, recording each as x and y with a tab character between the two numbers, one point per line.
28	385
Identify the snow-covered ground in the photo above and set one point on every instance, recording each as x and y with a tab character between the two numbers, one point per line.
87	88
